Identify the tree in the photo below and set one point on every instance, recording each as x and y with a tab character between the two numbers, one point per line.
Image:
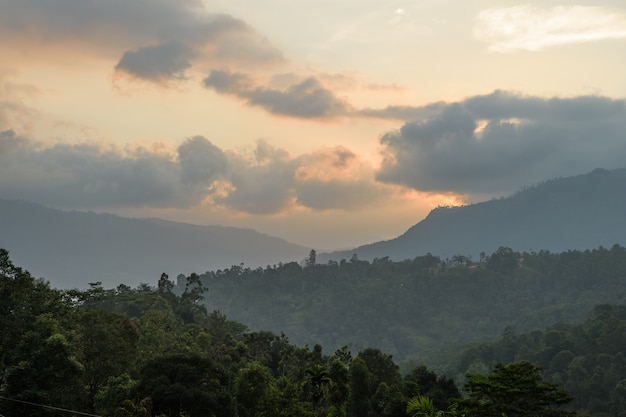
255	391
46	372
188	385
340	387
116	391
513	390
358	402
194	289
423	406
310	261
131	408
420	382
165	286
317	383
191	308
160	332
381	367
503	260
107	345
22	299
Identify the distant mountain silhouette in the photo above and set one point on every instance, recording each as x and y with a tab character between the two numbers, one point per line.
72	249
581	212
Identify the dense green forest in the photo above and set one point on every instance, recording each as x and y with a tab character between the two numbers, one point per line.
408	308
587	359
148	351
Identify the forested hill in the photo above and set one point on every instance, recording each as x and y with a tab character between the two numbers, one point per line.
580	212
408	307
71	249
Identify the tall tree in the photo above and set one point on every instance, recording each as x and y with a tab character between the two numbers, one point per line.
107	345
358	402
513	390
46	372
22	299
255	391
189	385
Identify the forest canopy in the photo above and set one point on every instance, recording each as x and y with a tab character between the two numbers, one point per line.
148	351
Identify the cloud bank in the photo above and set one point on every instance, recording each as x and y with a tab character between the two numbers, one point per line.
265	181
496	143
156	40
530	28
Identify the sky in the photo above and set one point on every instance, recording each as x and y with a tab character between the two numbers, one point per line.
328	123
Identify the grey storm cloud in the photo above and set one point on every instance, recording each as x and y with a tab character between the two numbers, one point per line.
226	82
155	38
200	161
307	98
84	176
499	142
9	141
155	63
261	188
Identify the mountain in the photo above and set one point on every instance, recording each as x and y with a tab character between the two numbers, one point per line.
72	249
579	212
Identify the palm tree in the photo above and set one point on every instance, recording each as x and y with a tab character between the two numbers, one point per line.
423	406
318	381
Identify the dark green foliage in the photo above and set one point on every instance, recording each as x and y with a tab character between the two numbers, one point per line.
22	299
504	260
256	392
586	359
36	359
381	367
440	389
358	402
317	383
139	351
340	387
45	371
413	306
513	390
190	384
107	347
113	393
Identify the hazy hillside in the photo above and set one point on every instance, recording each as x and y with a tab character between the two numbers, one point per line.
71	249
74	248
579	212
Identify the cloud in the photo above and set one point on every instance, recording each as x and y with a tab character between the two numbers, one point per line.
88	176
262	183
398	15
200	161
335	178
152	39
402	112
13	112
495	143
9	141
267	180
272	181
157	63
307	98
530	28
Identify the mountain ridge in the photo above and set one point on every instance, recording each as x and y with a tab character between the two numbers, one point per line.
579	212
73	248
